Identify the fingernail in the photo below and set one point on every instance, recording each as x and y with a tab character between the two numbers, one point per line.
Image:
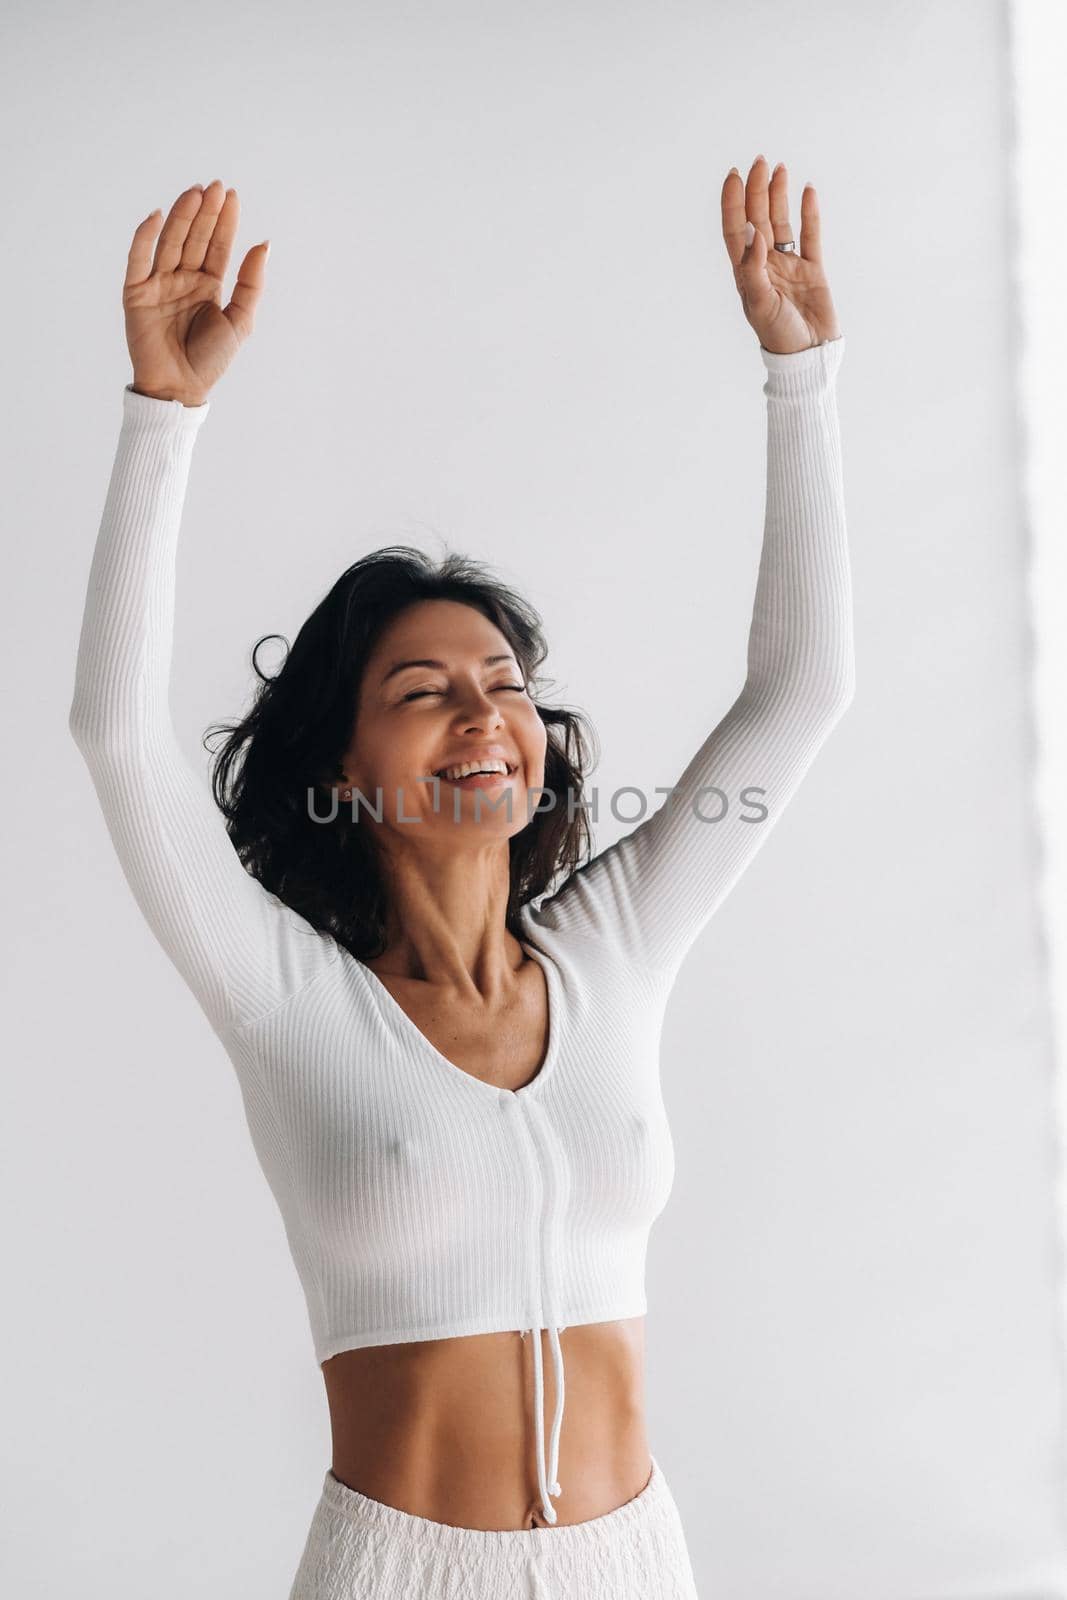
267	243
750	234
733	169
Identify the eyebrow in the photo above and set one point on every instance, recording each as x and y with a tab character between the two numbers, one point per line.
441	666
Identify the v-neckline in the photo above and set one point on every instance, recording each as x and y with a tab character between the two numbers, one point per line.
389	1004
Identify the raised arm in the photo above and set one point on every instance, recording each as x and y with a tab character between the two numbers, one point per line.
240	949
653	891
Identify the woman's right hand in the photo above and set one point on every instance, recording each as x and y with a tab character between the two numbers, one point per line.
180	336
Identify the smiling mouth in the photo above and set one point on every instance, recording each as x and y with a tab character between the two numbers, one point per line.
475	780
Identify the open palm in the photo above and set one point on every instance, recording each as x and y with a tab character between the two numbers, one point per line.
785	295
181	337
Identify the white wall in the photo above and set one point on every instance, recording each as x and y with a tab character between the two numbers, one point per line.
1039	237
499	311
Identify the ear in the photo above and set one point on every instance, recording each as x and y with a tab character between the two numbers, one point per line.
336	778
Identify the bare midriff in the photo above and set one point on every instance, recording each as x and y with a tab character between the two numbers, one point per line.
443	1428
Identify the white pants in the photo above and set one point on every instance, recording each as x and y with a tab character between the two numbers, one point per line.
360	1549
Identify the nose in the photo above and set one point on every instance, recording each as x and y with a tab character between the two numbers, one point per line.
480	711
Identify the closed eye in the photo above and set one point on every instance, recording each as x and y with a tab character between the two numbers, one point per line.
515	688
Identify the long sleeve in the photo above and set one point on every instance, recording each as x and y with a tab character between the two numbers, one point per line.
653	891
240	949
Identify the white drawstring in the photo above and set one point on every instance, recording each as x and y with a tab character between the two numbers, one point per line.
548	1471
544	1473
557	1416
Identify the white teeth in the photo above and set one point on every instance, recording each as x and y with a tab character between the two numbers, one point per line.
464	771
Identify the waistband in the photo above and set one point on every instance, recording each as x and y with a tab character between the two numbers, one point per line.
424	1534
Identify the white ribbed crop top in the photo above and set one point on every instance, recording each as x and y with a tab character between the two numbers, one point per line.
420	1202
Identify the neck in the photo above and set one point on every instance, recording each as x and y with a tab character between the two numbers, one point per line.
446	922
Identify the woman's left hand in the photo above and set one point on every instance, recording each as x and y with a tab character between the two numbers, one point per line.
785	295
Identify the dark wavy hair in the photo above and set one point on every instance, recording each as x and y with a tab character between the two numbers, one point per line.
300	724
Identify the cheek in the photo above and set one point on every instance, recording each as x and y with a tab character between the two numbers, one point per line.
536	741
377	754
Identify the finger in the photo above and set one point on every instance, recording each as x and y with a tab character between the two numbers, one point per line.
241	310
170	242
778	203
733	216
225	232
810	227
139	260
202	226
758	290
756	201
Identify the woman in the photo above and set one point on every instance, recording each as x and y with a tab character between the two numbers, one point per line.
454	1096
